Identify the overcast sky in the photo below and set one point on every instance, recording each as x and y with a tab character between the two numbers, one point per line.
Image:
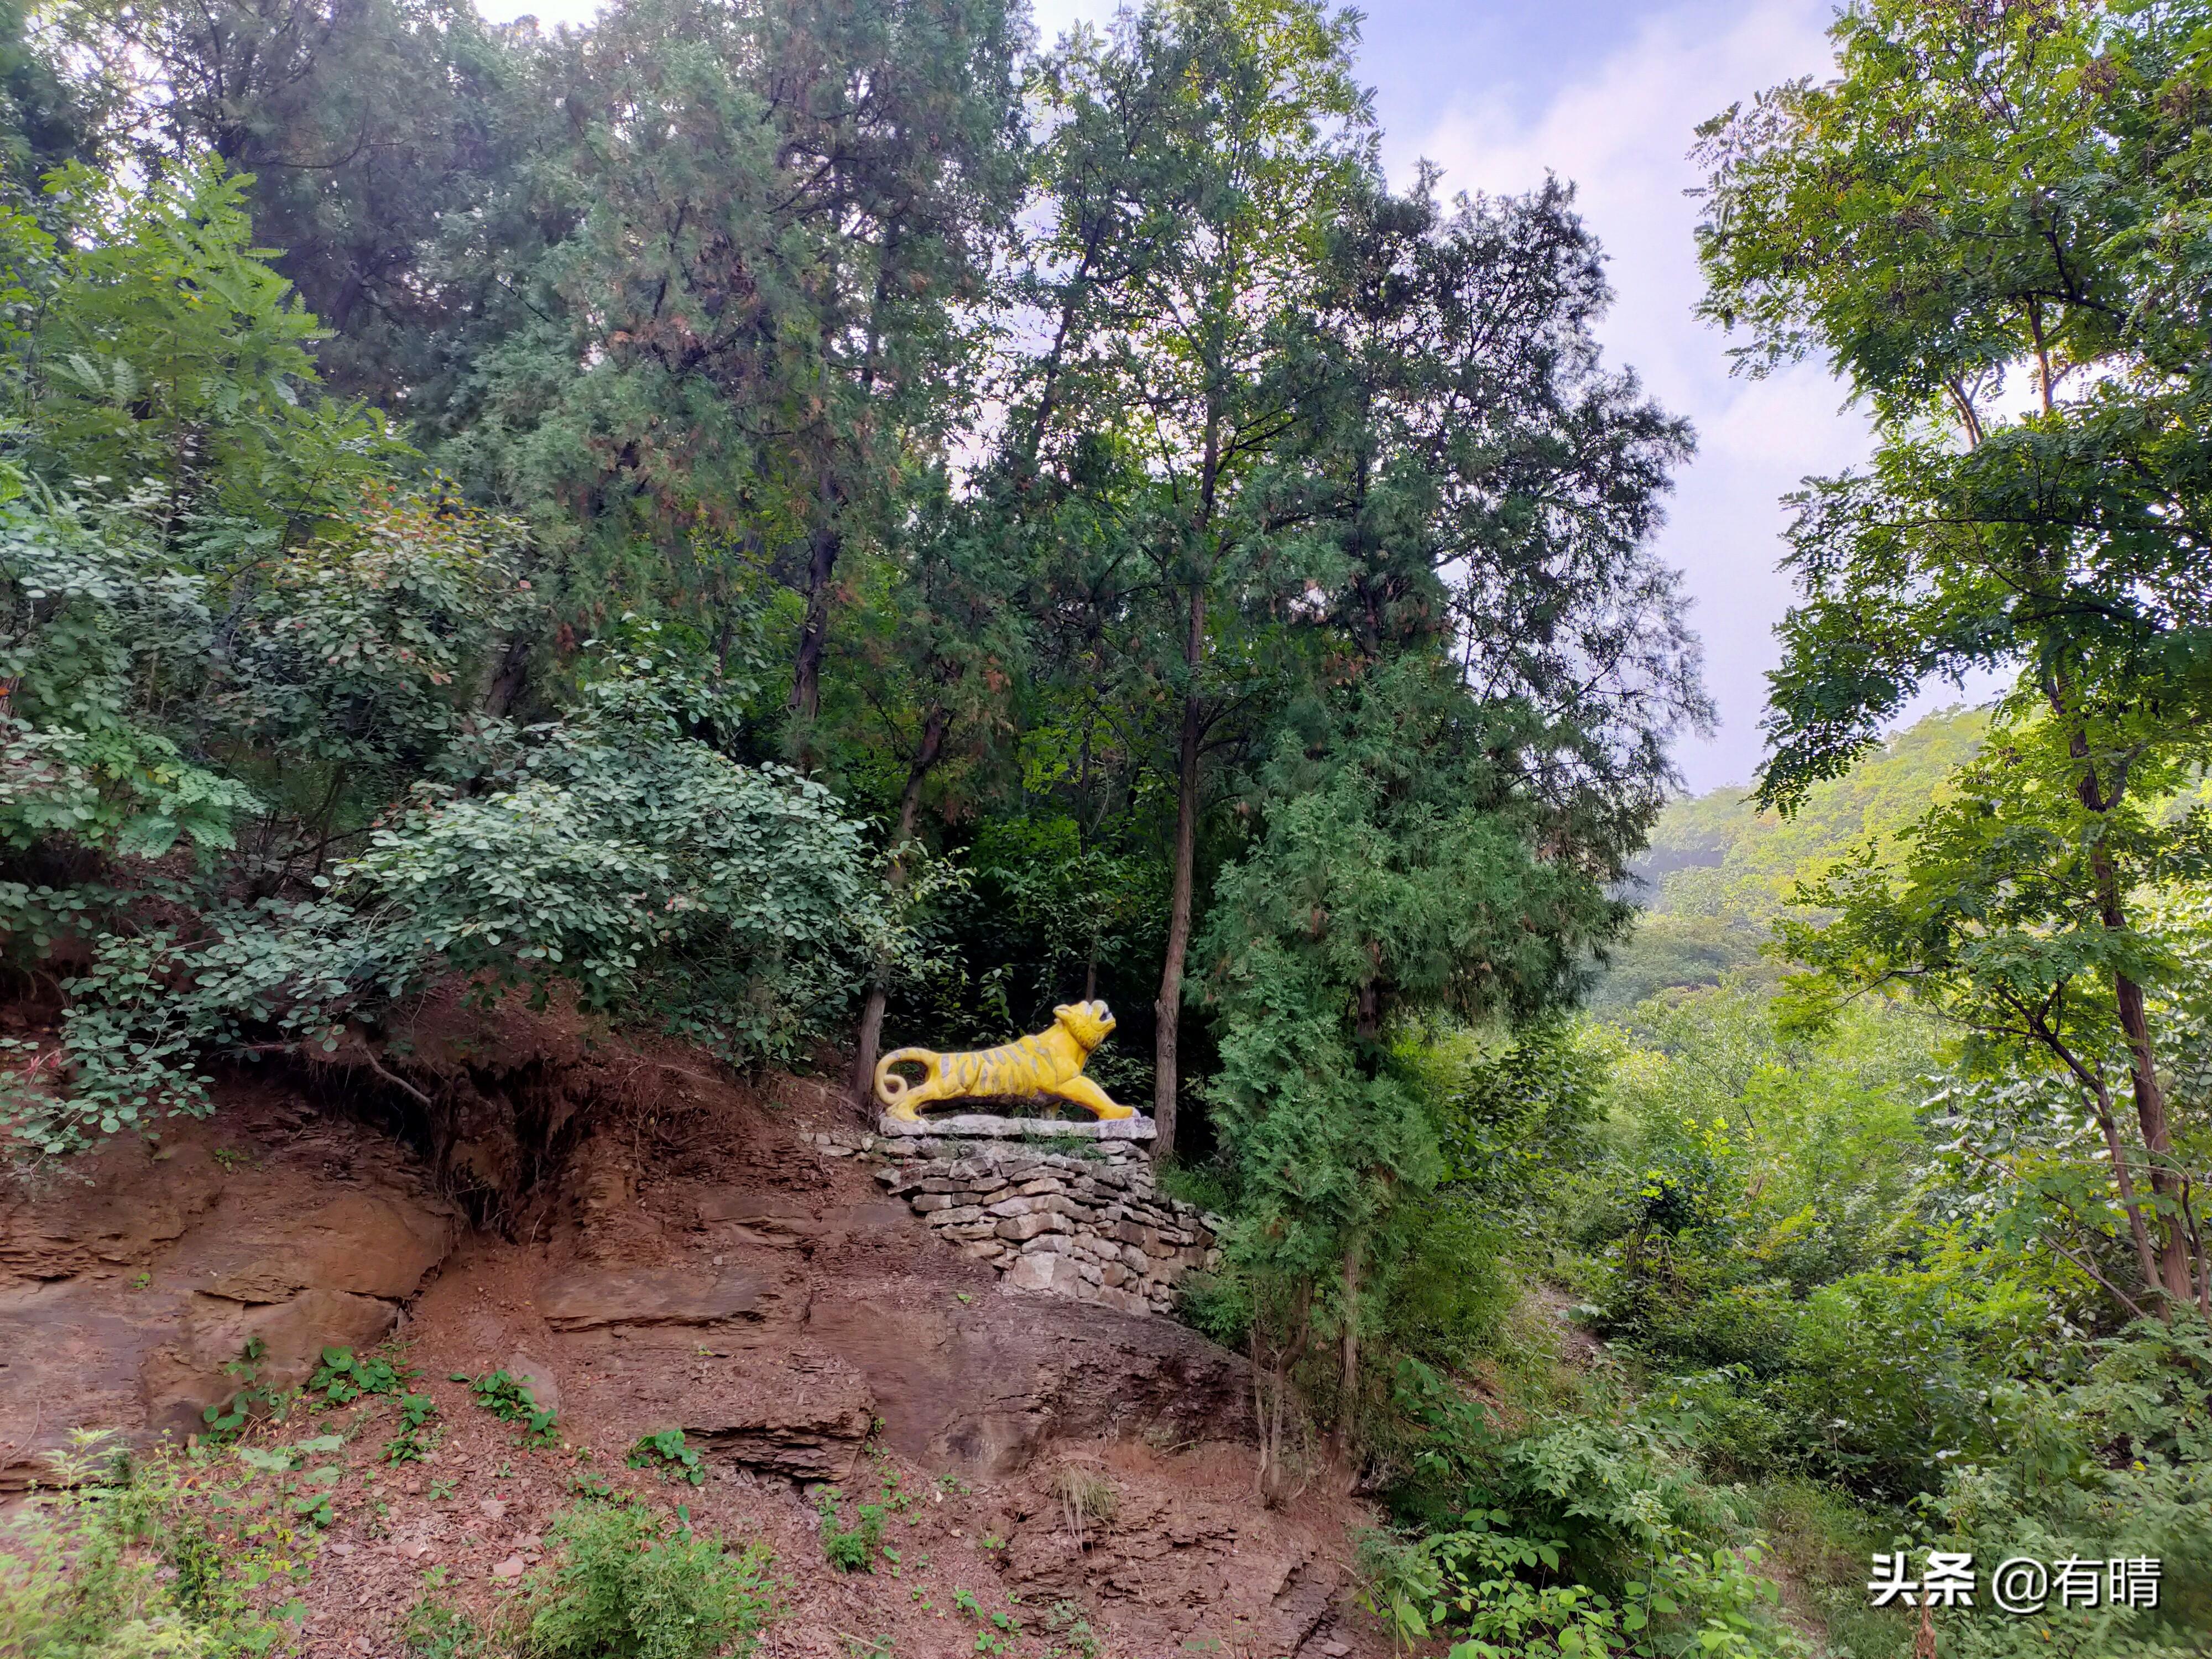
1607	94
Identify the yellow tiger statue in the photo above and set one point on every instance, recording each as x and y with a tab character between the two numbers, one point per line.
1048	1063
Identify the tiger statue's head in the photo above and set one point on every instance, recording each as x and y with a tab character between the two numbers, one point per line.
1088	1023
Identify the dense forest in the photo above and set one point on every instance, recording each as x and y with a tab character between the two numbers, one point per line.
800	526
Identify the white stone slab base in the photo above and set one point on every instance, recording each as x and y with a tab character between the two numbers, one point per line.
981	1126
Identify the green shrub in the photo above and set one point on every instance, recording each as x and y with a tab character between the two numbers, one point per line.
433	1629
665	1450
1218	1305
416	1410
851	1549
508	1399
70	1590
1439	1293
1738	1433
1822	1540
1591	1535
342	1377
625	1588
1496	1590
2116	1463
112	1565
1207	1186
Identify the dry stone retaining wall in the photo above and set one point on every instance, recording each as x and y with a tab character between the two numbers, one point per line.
1092	1225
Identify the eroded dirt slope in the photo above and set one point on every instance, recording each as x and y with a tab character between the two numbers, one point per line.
699	1265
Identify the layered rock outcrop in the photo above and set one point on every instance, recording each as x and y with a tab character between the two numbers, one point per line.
130	1280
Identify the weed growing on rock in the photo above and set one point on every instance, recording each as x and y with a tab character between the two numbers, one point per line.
225	1420
665	1450
850	1549
507	1398
1087	1501
1069	1633
625	1589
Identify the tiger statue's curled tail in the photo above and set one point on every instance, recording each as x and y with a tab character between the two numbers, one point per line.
1048	1063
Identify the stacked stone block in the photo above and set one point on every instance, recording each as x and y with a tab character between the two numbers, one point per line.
1095	1227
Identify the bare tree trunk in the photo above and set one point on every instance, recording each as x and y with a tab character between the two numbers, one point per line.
872	1012
1168	1011
2125	1182
1260	1410
2158	1142
822	549
1271	1389
1348	1354
2196	1251
2173	1255
506	683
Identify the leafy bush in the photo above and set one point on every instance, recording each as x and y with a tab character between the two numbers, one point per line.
665	1450
71	1588
1207	1186
416	1410
850	1549
1217	1304
1489	1592
1439	1293
219	607
1822	1540
2116	1462
610	851
1593	1535
625	1588
508	1399
433	1629
114	1563
342	1377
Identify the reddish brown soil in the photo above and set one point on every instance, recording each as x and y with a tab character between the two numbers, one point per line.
698	1267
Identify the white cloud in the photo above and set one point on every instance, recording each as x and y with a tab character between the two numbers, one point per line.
548	13
1622	132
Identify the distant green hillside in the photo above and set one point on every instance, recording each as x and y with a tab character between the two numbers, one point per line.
1718	869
